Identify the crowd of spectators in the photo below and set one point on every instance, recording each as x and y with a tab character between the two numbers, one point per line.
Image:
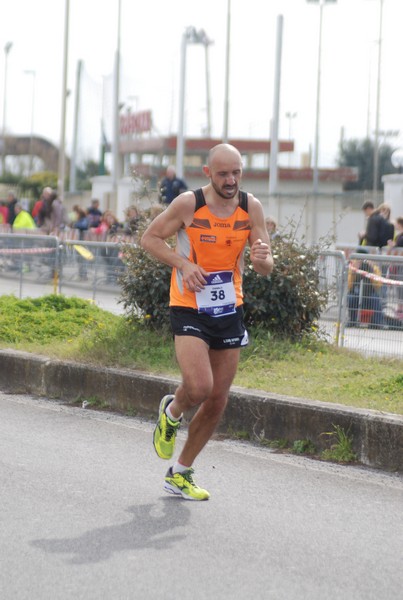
48	216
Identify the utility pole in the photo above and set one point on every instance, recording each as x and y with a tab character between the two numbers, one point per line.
73	158
62	144
378	104
116	110
190	36
276	110
7	49
31	137
227	67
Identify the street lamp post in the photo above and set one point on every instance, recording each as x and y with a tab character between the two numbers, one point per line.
317	124
273	166
116	163
290	116
7	49
31	137
190	36
378	102
62	143
227	68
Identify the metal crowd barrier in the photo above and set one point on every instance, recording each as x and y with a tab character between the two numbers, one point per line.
372	315
332	274
368	318
35	265
93	265
28	261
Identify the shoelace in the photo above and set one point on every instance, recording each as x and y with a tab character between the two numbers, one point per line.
188	476
170	430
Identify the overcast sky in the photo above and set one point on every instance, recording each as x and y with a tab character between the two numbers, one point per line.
151	35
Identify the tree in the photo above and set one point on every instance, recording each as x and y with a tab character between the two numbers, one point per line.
34	184
360	154
90	169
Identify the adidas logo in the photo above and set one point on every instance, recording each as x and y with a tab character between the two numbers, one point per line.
216	279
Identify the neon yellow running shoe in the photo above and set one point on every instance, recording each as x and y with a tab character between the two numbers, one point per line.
182	484
165	431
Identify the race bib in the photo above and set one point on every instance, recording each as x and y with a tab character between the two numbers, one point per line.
218	298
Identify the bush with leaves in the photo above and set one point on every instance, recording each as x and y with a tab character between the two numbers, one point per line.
35	183
287	303
145	287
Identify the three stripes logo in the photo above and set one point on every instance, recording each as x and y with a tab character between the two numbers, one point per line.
216	279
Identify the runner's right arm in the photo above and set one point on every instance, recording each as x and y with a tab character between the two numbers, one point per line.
165	225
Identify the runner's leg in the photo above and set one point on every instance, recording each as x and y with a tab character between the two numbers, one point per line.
223	365
192	354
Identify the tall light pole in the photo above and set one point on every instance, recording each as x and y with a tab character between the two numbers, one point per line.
378	104
290	116
116	164
321	4
7	49
227	67
62	144
31	137
73	156
276	110
190	36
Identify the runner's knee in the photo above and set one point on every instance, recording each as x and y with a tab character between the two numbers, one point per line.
197	392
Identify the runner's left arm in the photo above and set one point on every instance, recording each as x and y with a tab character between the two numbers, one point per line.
259	241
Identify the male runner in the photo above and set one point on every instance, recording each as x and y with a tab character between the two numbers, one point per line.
212	226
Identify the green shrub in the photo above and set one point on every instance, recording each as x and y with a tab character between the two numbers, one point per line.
35	183
288	302
145	288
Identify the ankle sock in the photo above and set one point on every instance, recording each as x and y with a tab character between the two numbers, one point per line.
178	468
170	415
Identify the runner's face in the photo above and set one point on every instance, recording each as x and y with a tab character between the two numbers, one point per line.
225	178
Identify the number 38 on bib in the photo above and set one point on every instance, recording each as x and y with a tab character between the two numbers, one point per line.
218	298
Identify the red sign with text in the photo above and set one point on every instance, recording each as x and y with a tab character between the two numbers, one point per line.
137	122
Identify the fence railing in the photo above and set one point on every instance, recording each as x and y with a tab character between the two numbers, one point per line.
34	265
364	308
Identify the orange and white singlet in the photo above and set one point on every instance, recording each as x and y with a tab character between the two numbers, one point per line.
217	245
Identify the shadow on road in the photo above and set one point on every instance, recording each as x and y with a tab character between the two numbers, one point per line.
150	527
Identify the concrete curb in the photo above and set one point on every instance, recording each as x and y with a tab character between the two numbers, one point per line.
377	437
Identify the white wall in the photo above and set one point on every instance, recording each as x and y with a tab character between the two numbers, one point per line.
333	216
393	185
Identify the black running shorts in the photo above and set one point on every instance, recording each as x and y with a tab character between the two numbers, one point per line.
218	332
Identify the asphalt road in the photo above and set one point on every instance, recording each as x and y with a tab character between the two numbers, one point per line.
83	515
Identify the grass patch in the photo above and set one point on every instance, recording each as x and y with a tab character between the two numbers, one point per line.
320	371
75	329
341	450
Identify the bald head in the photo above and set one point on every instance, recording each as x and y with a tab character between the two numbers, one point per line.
224	169
171	172
223	152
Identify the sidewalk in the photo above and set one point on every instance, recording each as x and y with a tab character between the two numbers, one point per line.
377	437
